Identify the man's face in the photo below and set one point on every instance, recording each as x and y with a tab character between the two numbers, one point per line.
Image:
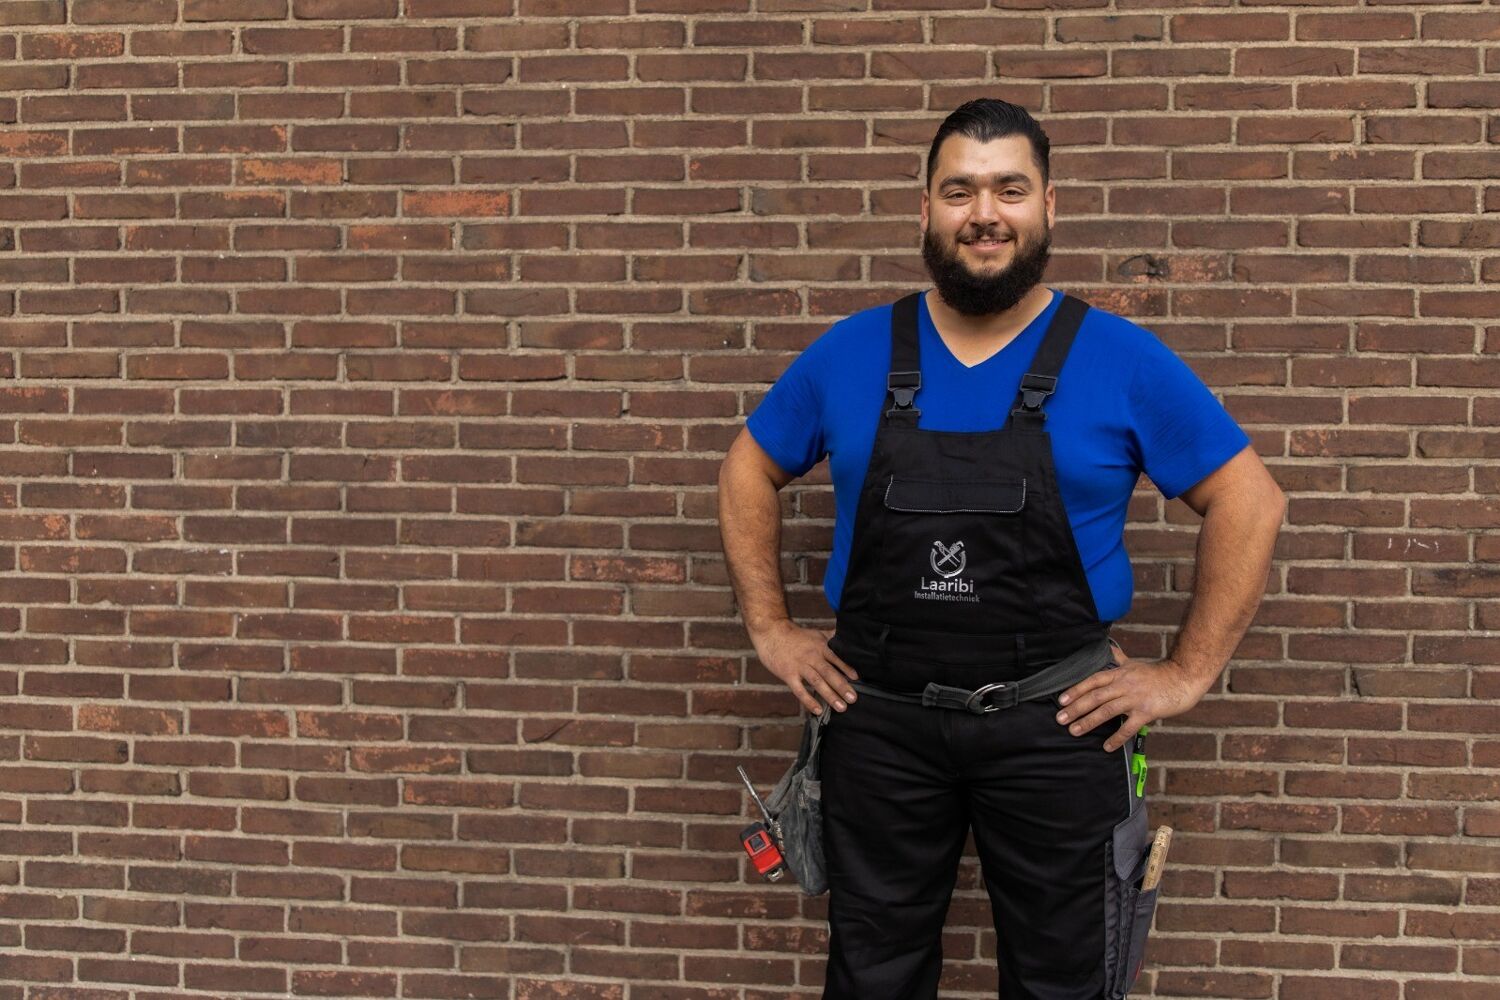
986	224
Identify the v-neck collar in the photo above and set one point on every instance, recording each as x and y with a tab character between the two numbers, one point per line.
926	325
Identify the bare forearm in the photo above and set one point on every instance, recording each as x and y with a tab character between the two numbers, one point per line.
1235	544
1242	510
750	530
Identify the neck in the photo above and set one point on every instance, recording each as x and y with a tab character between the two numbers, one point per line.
1011	321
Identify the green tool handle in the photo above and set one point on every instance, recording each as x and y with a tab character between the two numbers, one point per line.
1138	761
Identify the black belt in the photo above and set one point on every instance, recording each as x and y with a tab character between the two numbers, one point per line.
1060	676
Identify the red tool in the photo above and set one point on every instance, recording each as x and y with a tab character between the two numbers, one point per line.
758	840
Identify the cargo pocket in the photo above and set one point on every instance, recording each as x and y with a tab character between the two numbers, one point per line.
1140	928
1128	910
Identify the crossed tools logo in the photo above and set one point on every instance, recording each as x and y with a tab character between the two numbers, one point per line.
948	560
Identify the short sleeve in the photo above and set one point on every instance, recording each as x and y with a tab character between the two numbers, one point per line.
788	423
1182	430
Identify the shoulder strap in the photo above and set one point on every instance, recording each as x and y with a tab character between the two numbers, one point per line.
905	376
1040	380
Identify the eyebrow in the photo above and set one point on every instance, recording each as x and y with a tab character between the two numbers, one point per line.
968	180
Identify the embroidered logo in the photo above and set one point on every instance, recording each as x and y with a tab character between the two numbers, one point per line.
948	560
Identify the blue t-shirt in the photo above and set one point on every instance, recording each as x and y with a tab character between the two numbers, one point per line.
1125	404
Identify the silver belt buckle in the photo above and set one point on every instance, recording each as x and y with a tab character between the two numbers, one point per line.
979	693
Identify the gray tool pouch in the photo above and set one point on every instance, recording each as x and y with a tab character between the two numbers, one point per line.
796	807
1128	909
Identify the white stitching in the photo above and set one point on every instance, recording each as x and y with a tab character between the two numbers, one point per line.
953	510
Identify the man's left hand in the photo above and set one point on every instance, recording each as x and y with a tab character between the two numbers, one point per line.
1141	690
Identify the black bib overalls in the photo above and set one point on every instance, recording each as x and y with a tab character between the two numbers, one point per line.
964	571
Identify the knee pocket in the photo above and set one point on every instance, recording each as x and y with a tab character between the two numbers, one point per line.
1128	909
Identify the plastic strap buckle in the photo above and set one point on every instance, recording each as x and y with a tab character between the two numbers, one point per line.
904	386
1035	389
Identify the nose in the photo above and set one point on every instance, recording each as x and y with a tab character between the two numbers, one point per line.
983	213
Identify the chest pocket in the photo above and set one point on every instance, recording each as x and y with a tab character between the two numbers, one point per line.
953	552
960	496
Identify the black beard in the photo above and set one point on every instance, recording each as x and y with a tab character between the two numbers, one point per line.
988	292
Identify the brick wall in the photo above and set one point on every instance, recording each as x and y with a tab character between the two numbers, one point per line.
370	363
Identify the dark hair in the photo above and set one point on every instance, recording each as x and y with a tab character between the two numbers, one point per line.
987	118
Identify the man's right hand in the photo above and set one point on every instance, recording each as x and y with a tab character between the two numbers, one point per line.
800	657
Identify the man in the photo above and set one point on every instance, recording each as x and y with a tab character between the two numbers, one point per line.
984	438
